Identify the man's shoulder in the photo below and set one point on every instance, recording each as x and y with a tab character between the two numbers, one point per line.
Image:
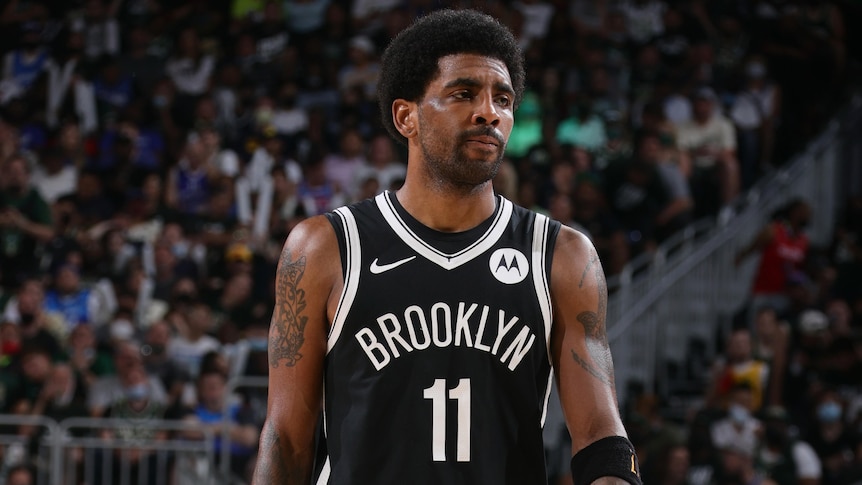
721	121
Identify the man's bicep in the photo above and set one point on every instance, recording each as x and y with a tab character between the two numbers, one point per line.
297	343
304	283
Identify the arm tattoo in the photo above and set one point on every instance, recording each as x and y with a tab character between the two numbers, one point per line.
595	331
593	259
270	467
589	368
287	319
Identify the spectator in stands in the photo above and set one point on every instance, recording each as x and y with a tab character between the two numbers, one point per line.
382	163
318	192
639	191
191	70
70	298
740	429
62	396
36	326
91	203
101	29
25	222
644	19
86	358
709	142
113	91
846	250
674	466
305	17
70	92
770	344
605	231
736	466
783	246
23	67
236	306
210	412
342	166
288	118
24	381
739	367
157	362
218	227
537	15
755	114
137	405
583	127
190	181
193	340
137	61
22	474
52	177
830	437
254	188
129	377
785	458
167	269
527	130
362	69
271	36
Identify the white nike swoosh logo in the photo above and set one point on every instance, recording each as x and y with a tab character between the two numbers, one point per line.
382	268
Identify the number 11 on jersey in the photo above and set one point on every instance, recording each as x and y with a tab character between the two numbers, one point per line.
461	394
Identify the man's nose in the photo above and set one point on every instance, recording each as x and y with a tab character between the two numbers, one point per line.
485	112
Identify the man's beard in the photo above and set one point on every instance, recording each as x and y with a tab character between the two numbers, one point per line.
458	170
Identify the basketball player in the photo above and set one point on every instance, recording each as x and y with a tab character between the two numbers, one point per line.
425	323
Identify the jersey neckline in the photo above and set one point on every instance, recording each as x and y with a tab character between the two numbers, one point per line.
448	250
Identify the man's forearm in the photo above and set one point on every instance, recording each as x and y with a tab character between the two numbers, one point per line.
277	464
41	232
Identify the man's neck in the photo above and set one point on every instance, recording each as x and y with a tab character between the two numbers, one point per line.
445	210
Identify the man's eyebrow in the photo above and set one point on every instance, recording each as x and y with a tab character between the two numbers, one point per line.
504	88
463	82
473	83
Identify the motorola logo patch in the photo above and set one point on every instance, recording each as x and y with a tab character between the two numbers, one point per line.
509	266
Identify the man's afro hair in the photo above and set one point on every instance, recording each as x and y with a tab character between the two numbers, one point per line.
409	64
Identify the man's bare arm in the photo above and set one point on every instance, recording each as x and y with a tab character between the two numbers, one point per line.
307	272
579	344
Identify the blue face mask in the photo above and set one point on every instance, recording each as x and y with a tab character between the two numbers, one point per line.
138	392
738	413
259	344
829	412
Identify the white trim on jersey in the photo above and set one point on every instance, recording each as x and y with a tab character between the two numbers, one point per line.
444	260
351	280
323	479
540	255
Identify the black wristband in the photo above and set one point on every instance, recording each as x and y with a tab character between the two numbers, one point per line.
613	456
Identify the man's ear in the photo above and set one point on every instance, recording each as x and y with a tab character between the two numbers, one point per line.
404	117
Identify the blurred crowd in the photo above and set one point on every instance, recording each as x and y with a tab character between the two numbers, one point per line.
782	403
154	155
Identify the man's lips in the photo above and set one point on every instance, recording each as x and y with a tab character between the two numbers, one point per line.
487	140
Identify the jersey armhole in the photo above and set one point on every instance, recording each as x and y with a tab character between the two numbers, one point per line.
336	223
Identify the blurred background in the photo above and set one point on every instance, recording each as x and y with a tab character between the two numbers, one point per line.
154	155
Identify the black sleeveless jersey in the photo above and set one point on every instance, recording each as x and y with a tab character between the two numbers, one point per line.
438	369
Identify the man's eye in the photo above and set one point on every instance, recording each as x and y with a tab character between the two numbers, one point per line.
462	95
504	101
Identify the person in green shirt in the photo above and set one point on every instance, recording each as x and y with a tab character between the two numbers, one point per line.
25	222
